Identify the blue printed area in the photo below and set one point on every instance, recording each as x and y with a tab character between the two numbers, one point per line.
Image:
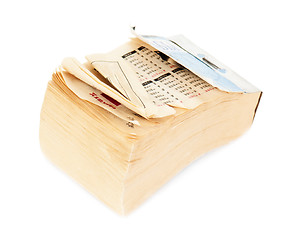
200	56
192	63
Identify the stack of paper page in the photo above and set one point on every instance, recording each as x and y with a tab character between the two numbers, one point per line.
125	122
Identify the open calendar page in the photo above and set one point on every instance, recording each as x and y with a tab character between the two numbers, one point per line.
146	77
151	76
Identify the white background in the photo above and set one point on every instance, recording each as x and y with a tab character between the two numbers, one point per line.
248	189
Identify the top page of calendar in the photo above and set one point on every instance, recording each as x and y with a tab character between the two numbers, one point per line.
198	61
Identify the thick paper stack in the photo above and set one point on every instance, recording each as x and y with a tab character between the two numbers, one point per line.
124	123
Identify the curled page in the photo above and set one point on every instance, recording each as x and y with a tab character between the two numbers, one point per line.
80	71
95	96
